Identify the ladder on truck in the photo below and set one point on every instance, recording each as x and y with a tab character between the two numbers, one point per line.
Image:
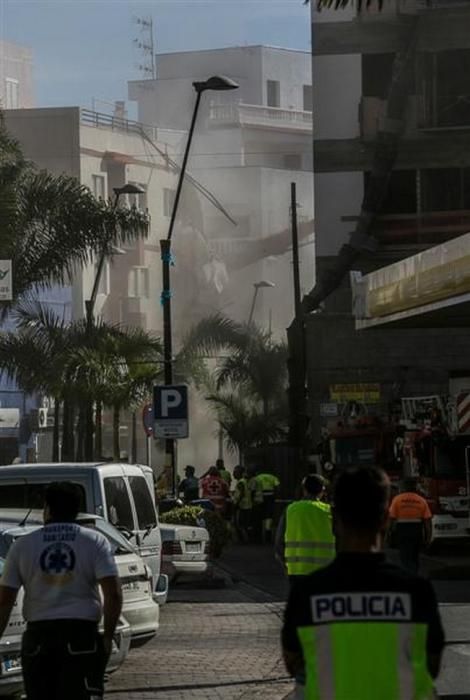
416	410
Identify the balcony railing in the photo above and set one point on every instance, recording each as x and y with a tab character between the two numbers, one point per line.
108	121
260	116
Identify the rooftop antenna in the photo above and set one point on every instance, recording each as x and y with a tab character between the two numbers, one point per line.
146	45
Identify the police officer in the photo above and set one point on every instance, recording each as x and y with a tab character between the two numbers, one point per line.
61	567
223	473
362	628
269	485
410	519
304	538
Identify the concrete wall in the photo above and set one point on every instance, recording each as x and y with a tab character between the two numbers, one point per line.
168	101
404	362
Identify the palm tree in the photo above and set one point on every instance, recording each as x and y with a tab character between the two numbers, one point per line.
77	365
242	425
247	390
51	225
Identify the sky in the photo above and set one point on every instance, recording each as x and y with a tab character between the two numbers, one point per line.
83	49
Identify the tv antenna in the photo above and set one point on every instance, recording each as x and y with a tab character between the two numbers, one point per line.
146	45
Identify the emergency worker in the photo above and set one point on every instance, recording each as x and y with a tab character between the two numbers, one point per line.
254	486
362	628
215	489
189	486
224	473
61	567
242	504
411	522
304	538
269	484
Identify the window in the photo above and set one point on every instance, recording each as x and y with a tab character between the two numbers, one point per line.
98	186
30	495
168	201
139	282
293	161
376	74
146	515
12	93
273	89
446	90
307	98
445	189
118	504
401	195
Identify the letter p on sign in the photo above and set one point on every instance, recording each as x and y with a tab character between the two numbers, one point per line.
171	398
171	411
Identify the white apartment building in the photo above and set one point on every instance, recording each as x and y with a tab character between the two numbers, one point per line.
249	145
103	153
16	76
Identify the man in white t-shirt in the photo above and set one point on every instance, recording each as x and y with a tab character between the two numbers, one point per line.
62	566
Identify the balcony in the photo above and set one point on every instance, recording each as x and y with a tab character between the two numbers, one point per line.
260	117
416	230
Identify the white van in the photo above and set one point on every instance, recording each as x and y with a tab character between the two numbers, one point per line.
121	493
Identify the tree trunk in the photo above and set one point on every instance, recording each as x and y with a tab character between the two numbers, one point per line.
134	439
56	431
89	430
116	425
81	429
99	430
68	427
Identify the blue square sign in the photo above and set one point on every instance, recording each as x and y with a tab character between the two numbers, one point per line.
170	405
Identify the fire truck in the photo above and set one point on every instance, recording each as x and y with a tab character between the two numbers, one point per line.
423	442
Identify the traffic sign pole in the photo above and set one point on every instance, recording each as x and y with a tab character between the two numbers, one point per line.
170	407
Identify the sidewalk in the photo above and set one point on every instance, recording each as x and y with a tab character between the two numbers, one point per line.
256	566
214	643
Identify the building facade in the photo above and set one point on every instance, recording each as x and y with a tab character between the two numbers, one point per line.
426	199
16	76
249	145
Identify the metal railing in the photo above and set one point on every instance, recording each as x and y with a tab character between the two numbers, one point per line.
108	121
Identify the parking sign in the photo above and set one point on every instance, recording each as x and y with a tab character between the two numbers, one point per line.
170	406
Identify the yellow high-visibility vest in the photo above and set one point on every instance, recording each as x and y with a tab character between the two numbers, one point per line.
309	540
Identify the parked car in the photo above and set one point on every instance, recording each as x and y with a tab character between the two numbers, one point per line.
185	549
123	494
139	607
11	678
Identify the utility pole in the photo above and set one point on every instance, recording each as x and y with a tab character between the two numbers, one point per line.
296	363
295	250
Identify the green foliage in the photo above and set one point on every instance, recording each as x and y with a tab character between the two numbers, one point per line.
219	531
248	390
50	225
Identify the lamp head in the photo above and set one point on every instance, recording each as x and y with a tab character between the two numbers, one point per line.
128	188
219	83
263	283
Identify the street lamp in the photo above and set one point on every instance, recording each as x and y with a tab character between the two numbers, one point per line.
219	84
258	285
90	307
90	303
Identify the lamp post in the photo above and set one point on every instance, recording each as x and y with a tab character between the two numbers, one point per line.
89	310
258	285
90	303
219	84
